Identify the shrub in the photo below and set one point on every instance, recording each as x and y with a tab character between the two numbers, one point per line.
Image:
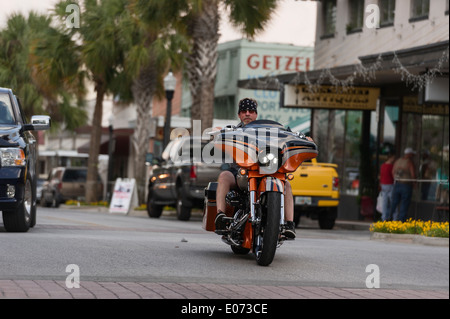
425	228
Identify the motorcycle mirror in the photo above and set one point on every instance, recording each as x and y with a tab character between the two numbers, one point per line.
229	128
301	135
212	131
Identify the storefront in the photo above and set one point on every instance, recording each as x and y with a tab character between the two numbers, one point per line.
361	112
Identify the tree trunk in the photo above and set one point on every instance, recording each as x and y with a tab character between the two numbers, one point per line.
94	147
202	63
143	89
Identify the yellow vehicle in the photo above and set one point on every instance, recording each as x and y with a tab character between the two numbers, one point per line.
315	187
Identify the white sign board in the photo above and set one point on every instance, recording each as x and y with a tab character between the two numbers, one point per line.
124	196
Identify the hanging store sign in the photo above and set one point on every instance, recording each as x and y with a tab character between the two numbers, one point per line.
330	97
411	105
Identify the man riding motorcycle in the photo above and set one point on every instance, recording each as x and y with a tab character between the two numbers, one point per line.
227	179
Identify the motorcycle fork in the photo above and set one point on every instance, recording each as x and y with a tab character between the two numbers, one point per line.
254	202
255	220
252	222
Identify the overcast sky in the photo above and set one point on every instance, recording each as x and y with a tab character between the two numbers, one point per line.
293	22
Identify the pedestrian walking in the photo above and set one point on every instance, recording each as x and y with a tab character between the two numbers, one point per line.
404	174
387	186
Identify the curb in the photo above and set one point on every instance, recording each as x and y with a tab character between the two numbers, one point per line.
410	239
352	225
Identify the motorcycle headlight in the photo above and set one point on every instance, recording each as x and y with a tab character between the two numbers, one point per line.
268	162
268	159
12	157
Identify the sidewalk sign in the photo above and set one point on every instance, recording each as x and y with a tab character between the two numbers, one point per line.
124	196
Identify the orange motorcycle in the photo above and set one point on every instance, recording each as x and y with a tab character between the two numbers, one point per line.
266	154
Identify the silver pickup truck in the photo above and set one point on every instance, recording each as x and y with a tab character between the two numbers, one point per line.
179	178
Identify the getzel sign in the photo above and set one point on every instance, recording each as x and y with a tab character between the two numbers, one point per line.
278	63
329	97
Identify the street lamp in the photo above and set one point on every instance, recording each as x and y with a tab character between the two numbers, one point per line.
111	146
169	86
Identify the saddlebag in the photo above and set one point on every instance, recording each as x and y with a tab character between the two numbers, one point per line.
210	208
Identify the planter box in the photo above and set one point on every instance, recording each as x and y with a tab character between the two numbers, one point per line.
410	239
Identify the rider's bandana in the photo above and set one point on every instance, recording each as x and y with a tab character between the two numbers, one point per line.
247	104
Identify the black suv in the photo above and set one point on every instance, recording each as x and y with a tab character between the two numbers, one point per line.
18	163
179	178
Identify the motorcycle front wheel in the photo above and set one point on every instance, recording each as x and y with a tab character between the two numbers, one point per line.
266	235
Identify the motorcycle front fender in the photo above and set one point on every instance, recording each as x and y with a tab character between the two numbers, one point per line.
273	184
270	184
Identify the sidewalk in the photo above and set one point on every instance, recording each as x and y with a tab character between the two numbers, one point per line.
53	289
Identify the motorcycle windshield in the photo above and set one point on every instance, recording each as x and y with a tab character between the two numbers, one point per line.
264	123
263	142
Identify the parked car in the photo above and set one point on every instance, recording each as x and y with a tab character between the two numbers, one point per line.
315	187
178	180
64	183
18	163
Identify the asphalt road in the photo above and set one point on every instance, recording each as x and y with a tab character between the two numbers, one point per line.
169	254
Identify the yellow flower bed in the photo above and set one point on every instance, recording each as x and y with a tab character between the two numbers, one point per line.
79	203
428	228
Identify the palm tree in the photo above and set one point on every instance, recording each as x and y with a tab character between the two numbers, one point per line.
14	73
249	16
55	68
151	46
198	19
127	58
45	85
102	56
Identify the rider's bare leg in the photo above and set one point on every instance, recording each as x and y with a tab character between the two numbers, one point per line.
289	229
226	181
288	203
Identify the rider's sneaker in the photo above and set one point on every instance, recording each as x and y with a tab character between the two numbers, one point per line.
289	230
220	221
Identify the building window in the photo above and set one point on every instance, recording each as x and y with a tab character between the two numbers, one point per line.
428	135
339	134
329	18
356	14
387	12
419	10
224	108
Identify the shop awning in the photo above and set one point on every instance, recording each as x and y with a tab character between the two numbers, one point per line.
122	143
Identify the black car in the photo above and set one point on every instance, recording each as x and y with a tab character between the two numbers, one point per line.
18	176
